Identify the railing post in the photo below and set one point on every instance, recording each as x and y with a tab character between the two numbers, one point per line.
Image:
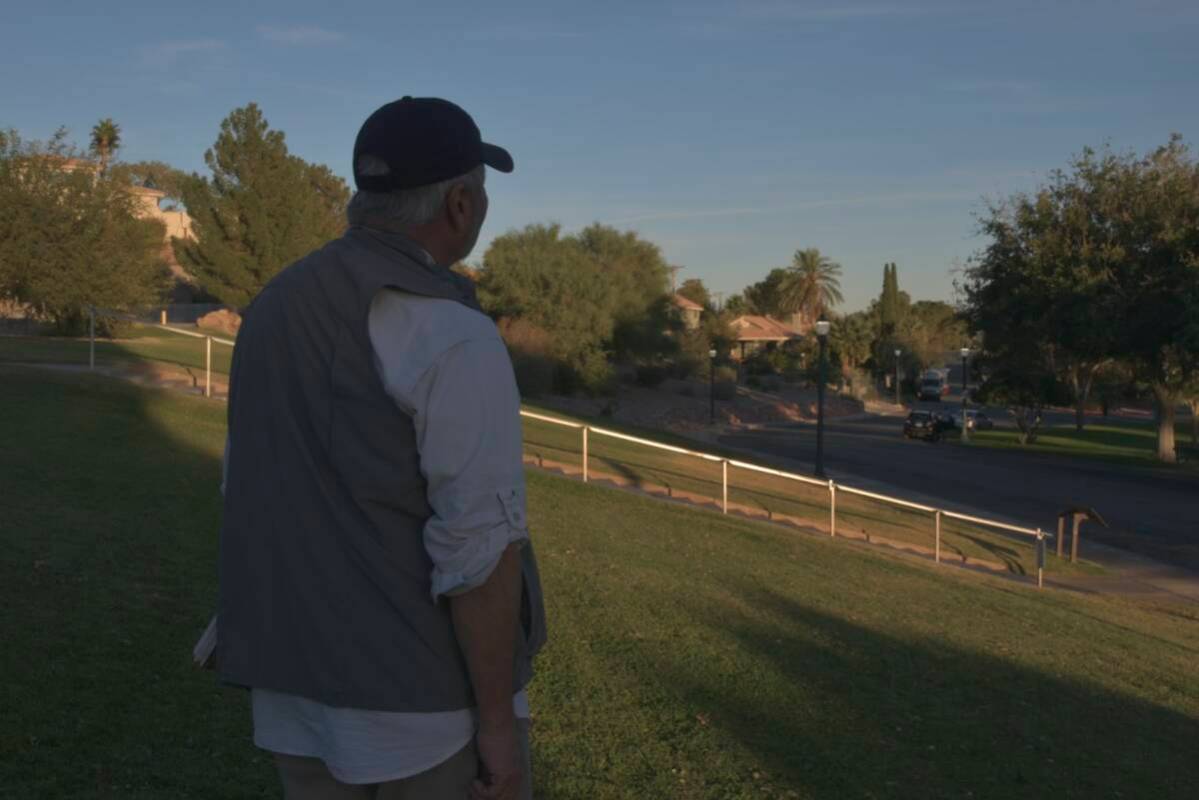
91	337
163	317
832	509
586	430
208	366
724	480
937	557
1040	559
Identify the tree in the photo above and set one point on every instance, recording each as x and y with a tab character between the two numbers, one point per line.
929	329
888	303
71	238
261	209
854	336
106	138
536	276
1151	206
1102	263
812	285
601	295
153	175
736	306
765	297
695	291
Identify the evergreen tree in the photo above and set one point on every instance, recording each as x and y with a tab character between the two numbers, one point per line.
262	209
888	304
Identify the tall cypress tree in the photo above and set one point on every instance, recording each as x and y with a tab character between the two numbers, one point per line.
888	303
262	209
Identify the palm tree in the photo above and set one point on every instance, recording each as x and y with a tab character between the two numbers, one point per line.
106	138
812	285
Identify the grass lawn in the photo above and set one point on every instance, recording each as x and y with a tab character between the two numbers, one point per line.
144	344
691	655
1132	443
641	465
779	496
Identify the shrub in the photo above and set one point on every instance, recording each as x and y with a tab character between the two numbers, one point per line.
529	347
651	375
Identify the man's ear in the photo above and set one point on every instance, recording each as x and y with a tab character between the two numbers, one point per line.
459	207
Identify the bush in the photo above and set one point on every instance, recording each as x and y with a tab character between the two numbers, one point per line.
534	375
592	375
529	347
651	375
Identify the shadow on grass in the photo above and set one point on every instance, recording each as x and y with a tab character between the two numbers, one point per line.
837	710
111	516
1005	555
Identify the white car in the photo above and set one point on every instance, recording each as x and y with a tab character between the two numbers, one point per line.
975	420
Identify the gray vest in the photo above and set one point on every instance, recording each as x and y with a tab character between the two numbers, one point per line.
324	577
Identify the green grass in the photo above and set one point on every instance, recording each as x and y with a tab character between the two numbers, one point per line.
780	497
691	655
143	344
1130	444
771	496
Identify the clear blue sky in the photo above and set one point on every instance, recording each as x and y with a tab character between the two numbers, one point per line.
728	133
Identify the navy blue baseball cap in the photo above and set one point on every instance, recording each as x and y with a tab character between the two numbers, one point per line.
423	140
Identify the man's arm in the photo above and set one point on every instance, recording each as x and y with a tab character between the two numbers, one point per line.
466	412
485	621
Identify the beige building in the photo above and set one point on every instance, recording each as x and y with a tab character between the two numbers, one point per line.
178	223
689	310
178	226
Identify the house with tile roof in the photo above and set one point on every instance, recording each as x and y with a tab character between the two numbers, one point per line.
755	332
689	310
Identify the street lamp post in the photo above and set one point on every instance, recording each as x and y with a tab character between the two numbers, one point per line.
712	386
898	353
965	373
822	335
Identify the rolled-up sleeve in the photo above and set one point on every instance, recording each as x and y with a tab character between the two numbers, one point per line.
466	409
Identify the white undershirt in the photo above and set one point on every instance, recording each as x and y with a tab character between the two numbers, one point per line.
446	366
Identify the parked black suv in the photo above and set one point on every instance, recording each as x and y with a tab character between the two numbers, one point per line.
924	425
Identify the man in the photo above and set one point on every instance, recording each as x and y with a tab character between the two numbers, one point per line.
378	592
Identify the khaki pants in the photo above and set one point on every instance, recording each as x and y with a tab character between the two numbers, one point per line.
309	779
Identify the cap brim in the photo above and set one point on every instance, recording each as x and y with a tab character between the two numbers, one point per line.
497	158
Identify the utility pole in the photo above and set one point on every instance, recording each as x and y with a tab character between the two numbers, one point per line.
674	277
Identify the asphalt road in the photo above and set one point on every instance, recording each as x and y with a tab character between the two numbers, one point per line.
1151	511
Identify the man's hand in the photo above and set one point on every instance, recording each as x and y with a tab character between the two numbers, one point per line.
500	763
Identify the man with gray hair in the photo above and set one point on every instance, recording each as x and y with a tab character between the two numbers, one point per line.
378	590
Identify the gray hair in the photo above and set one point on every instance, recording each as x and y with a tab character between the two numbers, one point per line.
405	207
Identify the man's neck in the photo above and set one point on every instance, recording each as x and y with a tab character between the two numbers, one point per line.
425	238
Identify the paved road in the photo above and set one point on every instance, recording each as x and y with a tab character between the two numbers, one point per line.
1151	511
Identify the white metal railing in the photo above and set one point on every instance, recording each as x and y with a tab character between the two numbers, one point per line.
208	340
831	486
586	430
